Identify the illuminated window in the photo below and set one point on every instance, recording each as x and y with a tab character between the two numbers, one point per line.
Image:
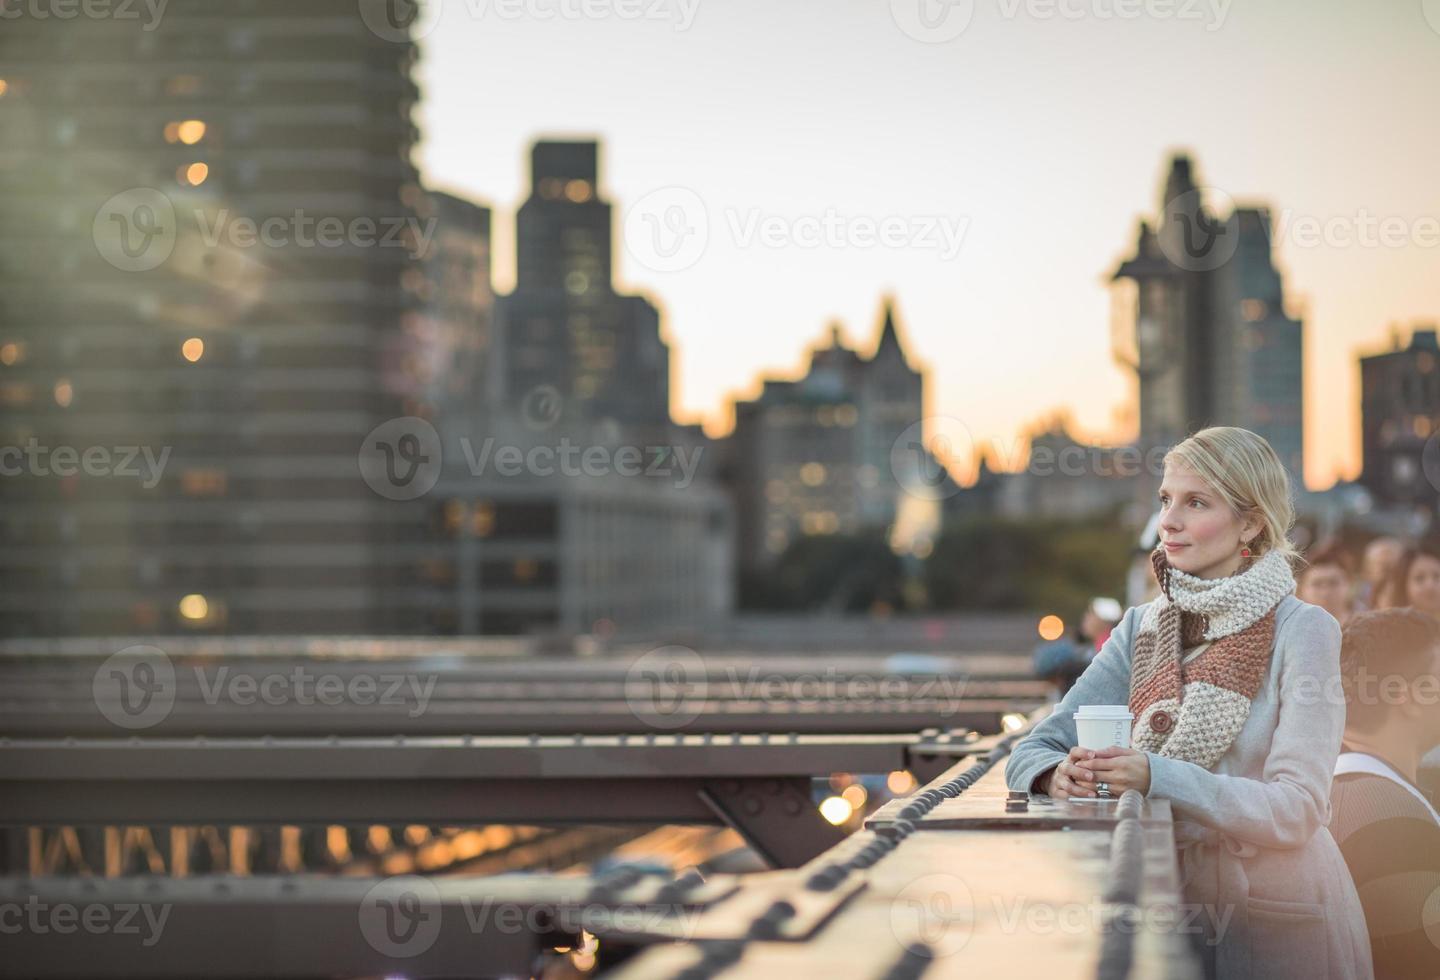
482	520
191	131
203	483
15	396
182	85
812	474
194	607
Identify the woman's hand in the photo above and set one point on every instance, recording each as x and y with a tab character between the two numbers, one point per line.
1121	768
1071	778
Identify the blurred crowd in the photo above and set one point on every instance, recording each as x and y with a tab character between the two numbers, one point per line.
1387	573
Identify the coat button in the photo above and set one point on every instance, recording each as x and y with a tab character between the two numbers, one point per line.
1161	722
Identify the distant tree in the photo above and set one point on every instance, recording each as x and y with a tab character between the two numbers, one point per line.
830	572
986	563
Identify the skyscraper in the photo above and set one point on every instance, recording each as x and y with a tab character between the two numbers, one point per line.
1400	422
1201	319
204	227
565	327
813	455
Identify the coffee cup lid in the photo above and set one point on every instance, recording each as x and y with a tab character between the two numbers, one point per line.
1104	711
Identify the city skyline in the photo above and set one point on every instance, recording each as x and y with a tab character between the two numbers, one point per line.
747	309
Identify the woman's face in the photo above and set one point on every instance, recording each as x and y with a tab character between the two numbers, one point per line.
1200	533
1423	584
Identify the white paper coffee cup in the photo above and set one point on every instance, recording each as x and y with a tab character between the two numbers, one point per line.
1099	726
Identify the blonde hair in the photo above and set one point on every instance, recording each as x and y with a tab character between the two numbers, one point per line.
1243	468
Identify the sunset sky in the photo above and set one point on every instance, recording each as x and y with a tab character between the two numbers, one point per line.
1039	136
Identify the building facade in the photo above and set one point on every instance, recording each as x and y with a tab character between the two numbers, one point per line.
813	456
1400	422
1200	317
204	234
565	329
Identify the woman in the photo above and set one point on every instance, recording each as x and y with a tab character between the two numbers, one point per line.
1226	672
1416	579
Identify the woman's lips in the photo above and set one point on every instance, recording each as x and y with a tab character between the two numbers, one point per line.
1171	546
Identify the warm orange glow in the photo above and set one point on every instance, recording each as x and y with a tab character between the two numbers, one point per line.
855	795
836	809
578	191
64	393
191	131
194	606
4	87
1052	628
194	174
900	782
193	349
10	354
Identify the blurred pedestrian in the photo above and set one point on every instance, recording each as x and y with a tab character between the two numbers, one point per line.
1326	580
1415	580
1376	567
1386	826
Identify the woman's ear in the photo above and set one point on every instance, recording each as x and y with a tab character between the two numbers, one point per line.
1253	527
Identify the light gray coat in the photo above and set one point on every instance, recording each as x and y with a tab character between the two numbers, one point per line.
1272	890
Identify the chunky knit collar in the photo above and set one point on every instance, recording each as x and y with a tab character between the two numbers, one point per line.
1228	604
